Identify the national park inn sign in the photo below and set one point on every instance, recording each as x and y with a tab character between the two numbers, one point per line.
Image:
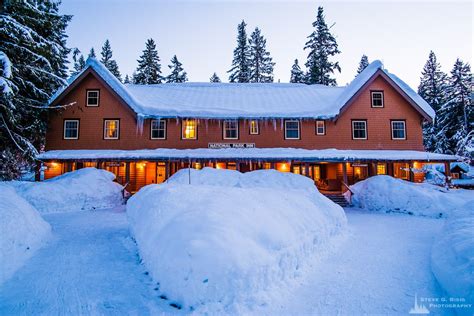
230	145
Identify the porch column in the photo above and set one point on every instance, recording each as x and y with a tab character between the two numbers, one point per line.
38	171
306	169
411	173
344	175
447	172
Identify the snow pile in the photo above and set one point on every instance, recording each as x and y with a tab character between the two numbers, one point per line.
452	257
230	237
84	189
23	231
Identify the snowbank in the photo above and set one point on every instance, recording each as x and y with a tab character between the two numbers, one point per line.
452	257
84	189
23	231
229	237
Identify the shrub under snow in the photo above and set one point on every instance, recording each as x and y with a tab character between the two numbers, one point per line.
229	235
22	231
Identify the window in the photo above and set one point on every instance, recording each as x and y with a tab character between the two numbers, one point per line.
381	168
71	129
111	129
189	129
398	130
359	129
158	129
254	127
292	129
92	98
320	128
231	129
377	99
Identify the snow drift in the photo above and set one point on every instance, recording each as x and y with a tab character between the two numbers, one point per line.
83	189
23	231
229	236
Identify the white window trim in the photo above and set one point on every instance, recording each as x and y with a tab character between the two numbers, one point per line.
250	127
299	129
105	129
183	128
324	127
64	129
372	99
353	130
98	98
151	129
404	130
224	128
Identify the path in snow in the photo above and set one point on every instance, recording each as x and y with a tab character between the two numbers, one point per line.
90	267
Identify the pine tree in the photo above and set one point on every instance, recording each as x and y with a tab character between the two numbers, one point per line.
297	75
177	75
215	78
91	53
149	67
108	62
126	80
33	55
321	45
240	71
261	63
432	89
363	63
79	62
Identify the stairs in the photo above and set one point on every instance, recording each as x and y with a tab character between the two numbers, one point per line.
337	198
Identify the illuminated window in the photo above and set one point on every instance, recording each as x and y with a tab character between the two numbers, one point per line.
220	165
398	130
71	129
283	167
377	99
401	170
197	165
189	129
359	129
92	98
231	166
111	129
231	129
320	128
381	168
253	127
158	129
317	172
292	129
267	165
297	169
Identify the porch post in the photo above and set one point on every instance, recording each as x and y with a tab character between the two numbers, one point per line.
411	174
306	169
38	170
447	172
344	175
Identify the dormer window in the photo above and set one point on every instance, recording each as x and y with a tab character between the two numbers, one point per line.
92	98
377	99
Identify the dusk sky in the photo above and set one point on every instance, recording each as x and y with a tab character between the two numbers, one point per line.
203	33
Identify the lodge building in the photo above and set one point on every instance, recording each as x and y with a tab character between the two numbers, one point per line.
145	133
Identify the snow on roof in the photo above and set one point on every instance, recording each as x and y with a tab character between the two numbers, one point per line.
241	100
248	153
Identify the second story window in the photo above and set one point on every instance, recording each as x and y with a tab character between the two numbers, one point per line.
92	98
377	99
398	130
254	127
158	129
231	129
71	129
111	129
292	129
189	129
320	128
359	129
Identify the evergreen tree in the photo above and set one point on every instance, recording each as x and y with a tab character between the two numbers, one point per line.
79	62
91	53
177	75
108	62
215	78
33	65
363	63
432	89
321	45
261	63
240	71
126	80
297	75
149	67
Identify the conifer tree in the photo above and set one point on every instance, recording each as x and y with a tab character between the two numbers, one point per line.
215	78
240	71
126	80
363	63
91	53
107	60
149	67
261	63
177	75
297	75
322	46
79	62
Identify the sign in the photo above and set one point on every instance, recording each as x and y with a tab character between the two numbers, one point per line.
230	145
359	165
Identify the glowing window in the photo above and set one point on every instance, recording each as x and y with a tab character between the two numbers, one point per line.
111	129
253	127
267	165
317	172
283	167
189	129
381	168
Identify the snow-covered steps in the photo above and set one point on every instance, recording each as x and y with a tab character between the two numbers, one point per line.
337	198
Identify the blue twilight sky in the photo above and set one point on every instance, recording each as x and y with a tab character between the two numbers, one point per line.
203	33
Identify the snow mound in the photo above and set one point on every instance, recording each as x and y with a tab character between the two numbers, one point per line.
452	257
83	189
23	231
230	237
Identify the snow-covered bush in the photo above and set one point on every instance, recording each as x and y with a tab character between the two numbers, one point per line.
229	236
84	189
452	257
22	231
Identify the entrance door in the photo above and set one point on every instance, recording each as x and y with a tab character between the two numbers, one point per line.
160	172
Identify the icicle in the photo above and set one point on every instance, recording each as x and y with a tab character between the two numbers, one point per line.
274	125
207	125
140	121
281	124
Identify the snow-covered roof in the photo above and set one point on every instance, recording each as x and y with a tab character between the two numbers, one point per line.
242	100
247	153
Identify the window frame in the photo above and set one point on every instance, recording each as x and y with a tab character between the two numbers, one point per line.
353	129
324	127
404	129
98	98
64	129
152	129
105	129
372	98
195	126
286	129
256	126
225	129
